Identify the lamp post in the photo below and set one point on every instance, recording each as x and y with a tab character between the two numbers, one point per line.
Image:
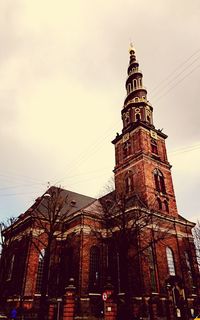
59	300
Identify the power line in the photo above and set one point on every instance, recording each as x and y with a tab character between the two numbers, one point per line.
83	156
174	71
173	152
176	84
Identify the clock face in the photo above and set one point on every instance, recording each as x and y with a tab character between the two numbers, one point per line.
153	134
125	137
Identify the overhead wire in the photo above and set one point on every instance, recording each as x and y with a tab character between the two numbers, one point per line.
173	152
84	155
93	148
170	76
176	84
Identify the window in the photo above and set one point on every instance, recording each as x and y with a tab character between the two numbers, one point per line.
137	116
126	118
154	147
134	84
166	206
159	181
129	182
94	278
159	204
152	272
140	82
170	261
40	269
129	88
10	268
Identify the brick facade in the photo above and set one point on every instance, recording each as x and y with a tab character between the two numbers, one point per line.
134	236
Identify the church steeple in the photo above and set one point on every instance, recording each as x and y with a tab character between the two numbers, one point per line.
136	106
142	168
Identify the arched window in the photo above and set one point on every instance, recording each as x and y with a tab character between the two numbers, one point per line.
166	206
152	272
136	99
10	267
170	261
129	87
134	84
159	204
40	269
94	277
159	181
129	182
140	82
137	116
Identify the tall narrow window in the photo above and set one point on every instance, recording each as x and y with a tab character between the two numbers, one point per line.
159	181
166	206
94	278
40	269
170	261
10	268
129	87
152	272
129	182
137	117
134	84
159	204
154	147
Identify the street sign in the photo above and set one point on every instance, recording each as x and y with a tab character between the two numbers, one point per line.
104	296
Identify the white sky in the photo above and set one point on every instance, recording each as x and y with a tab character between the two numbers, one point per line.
63	68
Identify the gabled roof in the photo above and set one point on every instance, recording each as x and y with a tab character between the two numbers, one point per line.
73	202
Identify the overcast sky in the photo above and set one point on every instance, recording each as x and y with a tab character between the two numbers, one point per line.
63	68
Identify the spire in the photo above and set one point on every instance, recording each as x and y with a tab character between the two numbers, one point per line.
136	107
134	83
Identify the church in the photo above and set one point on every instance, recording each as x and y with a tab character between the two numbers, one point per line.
127	255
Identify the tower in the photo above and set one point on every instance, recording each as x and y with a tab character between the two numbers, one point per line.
141	166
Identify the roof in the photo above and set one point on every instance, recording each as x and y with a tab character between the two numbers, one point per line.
70	202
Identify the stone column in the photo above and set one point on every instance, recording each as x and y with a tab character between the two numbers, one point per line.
110	306
69	301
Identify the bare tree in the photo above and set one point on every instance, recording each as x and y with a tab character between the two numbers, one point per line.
196	234
125	221
6	255
48	215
